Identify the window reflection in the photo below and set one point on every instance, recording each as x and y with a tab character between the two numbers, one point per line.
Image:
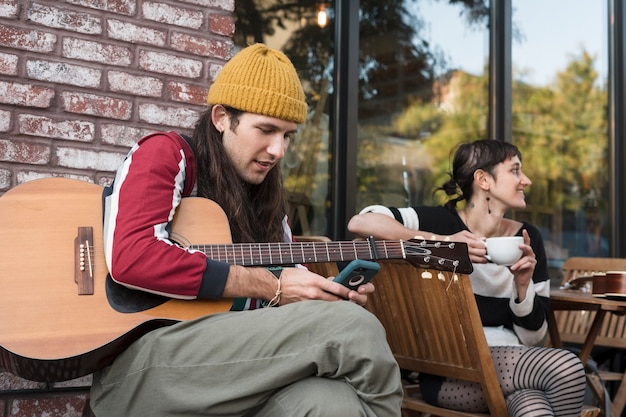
560	123
423	89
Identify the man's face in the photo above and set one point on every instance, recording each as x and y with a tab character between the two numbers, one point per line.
256	144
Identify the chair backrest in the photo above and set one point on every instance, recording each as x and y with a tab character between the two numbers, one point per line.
573	325
433	326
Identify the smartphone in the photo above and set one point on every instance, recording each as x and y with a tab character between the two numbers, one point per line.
357	272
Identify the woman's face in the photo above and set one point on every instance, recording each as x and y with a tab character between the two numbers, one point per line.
509	183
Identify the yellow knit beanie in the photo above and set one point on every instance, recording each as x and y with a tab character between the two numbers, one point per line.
260	80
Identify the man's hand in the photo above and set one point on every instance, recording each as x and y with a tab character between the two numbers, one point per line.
299	284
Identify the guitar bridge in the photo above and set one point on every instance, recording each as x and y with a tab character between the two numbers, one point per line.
83	260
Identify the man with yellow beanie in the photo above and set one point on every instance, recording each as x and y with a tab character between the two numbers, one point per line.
314	352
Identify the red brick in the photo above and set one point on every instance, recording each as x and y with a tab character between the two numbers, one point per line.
63	73
5	183
23	152
188	93
126	7
222	24
214	69
29	40
9	9
200	46
129	32
169	64
164	13
10	381
96	105
8	64
83	381
134	84
88	159
34	125
97	52
26	176
104	181
169	116
25	94
49	406
5	120
228	5
59	18
122	135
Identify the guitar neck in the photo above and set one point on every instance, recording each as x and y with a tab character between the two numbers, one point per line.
266	254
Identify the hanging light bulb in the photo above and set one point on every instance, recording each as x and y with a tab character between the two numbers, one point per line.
322	18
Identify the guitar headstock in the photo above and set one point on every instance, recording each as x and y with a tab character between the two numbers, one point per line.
439	255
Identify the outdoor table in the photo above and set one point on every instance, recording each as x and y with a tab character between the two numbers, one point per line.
564	299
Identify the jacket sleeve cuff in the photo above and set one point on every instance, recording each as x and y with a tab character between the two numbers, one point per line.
524	308
213	279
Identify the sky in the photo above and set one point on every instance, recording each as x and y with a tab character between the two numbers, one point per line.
553	31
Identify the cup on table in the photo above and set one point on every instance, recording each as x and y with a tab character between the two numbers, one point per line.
504	250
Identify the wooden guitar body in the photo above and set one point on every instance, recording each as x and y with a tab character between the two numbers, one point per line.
47	331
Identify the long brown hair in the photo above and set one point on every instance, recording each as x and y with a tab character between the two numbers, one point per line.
255	212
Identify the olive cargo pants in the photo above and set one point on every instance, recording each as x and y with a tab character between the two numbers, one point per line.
311	358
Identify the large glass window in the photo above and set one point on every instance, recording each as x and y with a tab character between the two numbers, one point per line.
423	89
560	122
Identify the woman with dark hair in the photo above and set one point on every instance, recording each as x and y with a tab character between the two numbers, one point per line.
513	300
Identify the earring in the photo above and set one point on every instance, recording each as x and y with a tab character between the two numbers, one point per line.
488	208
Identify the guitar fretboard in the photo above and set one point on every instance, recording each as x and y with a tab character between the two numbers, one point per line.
265	254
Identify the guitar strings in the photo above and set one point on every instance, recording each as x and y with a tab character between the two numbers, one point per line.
454	278
244	253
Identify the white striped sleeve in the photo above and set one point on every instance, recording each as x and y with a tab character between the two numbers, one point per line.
408	216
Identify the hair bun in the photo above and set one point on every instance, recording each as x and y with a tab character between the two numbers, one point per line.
450	188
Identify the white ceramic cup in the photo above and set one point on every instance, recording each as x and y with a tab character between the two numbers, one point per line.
504	250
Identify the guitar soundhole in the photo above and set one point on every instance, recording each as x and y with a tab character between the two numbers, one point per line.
125	300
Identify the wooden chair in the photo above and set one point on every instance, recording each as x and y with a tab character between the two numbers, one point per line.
433	326
573	326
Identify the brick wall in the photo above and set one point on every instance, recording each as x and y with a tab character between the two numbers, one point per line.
83	80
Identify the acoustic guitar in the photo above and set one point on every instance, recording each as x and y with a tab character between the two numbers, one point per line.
63	317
